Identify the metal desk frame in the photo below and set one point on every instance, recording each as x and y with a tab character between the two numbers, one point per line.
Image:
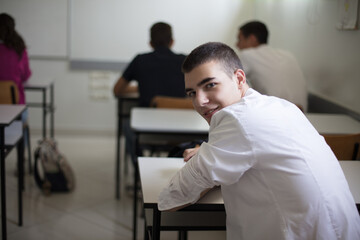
157	215
4	150
46	107
121	114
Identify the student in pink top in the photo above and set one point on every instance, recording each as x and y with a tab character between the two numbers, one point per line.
14	62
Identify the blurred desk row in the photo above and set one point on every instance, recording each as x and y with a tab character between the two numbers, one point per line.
177	122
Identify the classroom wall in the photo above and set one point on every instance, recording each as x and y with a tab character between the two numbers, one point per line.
84	101
83	98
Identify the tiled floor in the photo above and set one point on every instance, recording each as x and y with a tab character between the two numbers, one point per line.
90	211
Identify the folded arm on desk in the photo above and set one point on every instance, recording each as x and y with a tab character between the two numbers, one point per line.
186	187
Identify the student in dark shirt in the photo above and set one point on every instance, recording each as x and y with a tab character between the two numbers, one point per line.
157	72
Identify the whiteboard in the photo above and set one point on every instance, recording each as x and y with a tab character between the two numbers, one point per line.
117	30
42	24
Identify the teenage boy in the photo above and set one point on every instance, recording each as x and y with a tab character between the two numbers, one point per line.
279	179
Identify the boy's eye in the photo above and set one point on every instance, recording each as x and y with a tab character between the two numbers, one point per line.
190	93
210	85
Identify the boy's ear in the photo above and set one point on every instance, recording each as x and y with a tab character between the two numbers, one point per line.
240	77
253	41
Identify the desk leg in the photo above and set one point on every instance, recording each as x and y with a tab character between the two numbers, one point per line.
136	177
52	120
44	113
3	191
20	168
118	143
156	224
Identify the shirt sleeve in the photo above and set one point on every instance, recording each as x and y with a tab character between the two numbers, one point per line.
131	70
221	161
184	187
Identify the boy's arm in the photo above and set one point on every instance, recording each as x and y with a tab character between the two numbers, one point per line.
122	86
188	204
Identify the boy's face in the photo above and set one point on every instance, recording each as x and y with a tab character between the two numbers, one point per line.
211	89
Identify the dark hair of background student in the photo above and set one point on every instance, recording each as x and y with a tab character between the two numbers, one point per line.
9	35
258	29
161	35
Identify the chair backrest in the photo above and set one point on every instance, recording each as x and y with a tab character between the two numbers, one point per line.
300	107
345	147
9	93
171	102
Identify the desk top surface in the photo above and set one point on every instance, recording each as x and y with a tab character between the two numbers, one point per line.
189	121
38	84
155	173
334	123
168	120
9	112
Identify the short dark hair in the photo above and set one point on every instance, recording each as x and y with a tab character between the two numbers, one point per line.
213	51
257	28
161	35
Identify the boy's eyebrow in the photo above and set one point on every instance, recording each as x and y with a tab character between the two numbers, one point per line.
202	82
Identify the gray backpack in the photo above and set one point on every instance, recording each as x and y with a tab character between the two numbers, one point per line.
54	173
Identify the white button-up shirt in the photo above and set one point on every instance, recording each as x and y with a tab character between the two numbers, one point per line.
279	179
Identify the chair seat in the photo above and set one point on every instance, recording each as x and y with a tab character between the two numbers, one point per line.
345	147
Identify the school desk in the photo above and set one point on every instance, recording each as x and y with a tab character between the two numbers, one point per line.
166	124
155	174
334	123
11	134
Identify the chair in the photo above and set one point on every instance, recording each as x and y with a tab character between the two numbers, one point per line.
345	147
9	94
300	107
171	102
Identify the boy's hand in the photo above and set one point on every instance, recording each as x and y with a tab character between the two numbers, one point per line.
188	153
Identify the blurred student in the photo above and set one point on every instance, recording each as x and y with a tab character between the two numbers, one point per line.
270	71
279	179
157	72
14	61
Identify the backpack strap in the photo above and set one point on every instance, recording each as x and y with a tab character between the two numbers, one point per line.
38	180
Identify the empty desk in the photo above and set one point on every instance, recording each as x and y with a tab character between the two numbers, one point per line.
333	123
178	124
